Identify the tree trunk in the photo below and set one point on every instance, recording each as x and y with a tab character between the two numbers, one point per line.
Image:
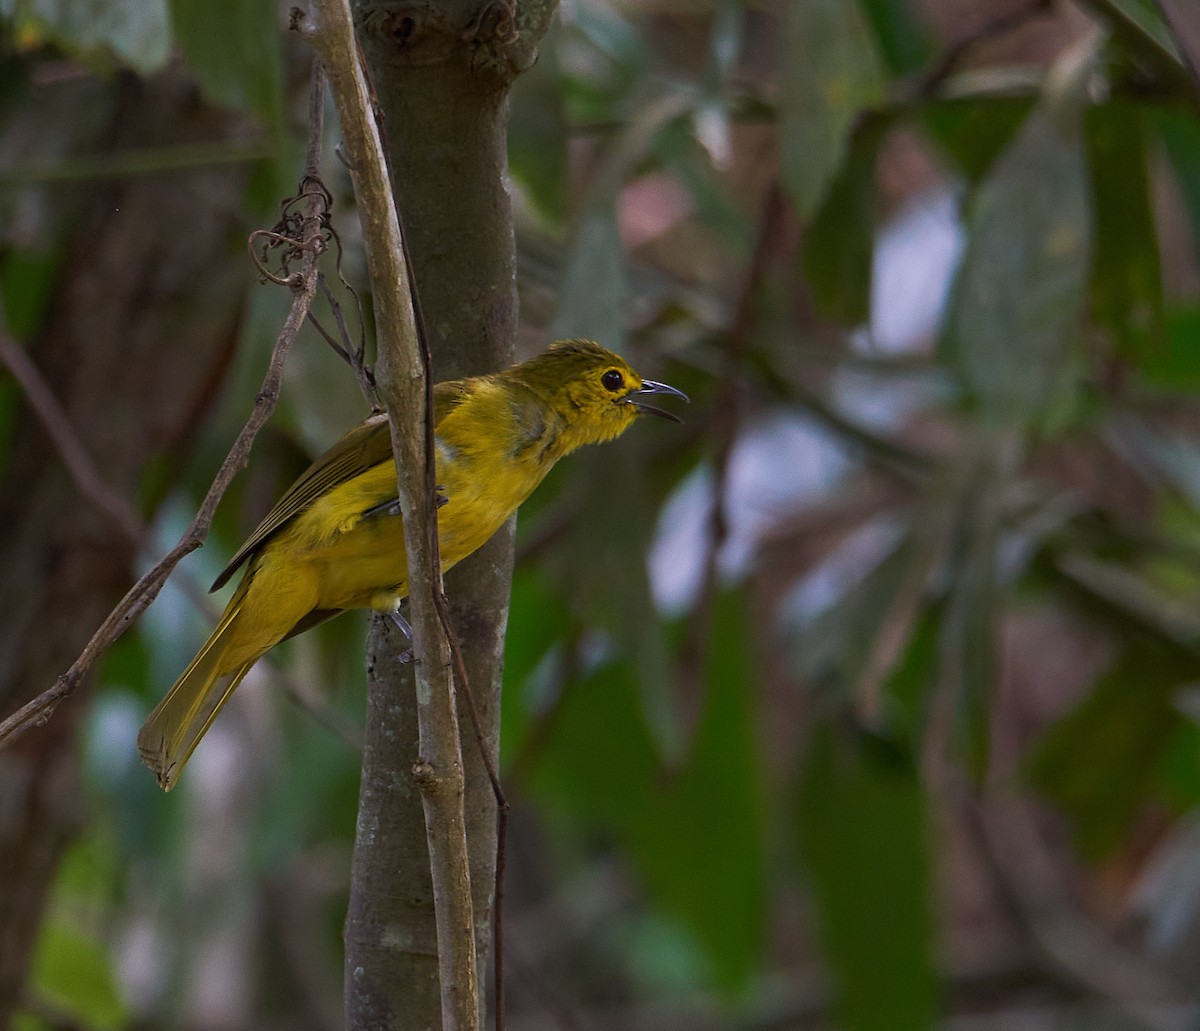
441	73
140	331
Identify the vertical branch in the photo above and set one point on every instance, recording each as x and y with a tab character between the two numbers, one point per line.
441	72
402	381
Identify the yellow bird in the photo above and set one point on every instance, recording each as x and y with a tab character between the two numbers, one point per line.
335	540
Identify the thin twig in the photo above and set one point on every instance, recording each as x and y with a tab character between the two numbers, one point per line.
92	486
463	684
66	441
993	27
462	680
139	597
353	355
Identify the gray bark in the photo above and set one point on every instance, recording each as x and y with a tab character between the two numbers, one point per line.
441	72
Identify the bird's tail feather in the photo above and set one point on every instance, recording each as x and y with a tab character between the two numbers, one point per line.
172	731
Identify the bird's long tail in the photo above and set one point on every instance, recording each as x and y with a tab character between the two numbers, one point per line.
172	731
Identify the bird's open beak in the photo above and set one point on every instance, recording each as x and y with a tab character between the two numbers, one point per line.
650	386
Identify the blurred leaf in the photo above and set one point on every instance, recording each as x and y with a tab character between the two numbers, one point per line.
600	762
1011	328
72	971
233	48
1180	769
1177	365
903	40
1129	721
862	827
538	619
90	870
1126	281
1180	134
601	766
136	32
614	38
846	647
537	133
71	964
26	280
840	243
607	578
910	685
711	121
1128	592
716	206
1139	25
591	297
715	882
968	641
830	75
973	131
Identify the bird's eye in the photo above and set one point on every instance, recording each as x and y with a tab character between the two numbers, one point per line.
613	380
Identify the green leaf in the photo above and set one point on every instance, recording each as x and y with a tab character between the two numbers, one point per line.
600	761
1139	25
71	965
1126	281
1177	365
911	683
715	882
233	49
26	281
135	32
591	297
863	845
602	767
607	578
1129	722
537	133
830	76
72	971
1012	325
1180	768
903	41
973	131
839	246
538	620
1180	134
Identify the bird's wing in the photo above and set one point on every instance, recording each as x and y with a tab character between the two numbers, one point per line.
446	397
362	448
365	446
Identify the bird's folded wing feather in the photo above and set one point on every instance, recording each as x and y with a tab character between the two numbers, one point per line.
364	447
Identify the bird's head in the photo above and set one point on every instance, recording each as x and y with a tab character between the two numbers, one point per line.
595	391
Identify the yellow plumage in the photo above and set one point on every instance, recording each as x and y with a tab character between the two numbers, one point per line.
334	541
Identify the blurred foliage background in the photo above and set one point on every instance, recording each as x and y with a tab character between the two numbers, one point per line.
865	699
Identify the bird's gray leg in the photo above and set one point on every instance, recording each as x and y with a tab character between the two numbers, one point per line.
405	627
